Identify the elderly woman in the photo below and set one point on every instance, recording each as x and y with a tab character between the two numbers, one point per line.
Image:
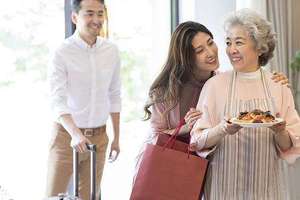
245	161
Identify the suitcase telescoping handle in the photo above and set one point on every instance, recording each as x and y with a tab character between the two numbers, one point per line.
92	149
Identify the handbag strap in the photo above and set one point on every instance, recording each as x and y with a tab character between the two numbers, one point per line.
175	134
182	121
173	137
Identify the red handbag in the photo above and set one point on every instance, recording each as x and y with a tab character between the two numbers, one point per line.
169	172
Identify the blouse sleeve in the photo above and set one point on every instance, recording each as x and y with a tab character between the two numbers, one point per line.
290	114
206	123
158	121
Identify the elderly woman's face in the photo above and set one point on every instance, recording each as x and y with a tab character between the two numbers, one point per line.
206	52
241	50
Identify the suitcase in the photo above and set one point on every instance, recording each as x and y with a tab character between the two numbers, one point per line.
62	196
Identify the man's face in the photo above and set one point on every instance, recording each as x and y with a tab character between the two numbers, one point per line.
89	18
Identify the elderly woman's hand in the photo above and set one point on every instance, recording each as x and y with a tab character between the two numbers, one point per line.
279	127
230	128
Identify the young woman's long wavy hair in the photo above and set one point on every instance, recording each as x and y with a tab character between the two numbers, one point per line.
178	68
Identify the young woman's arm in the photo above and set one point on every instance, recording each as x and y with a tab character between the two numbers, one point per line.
159	122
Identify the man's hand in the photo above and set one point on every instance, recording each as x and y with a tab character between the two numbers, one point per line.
114	151
79	142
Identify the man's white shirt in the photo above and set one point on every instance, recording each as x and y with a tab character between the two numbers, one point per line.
85	81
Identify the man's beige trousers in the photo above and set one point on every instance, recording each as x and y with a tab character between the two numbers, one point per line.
60	163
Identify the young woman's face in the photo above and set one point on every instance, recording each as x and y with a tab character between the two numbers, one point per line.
206	52
241	50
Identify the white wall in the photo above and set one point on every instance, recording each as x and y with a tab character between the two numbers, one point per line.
211	14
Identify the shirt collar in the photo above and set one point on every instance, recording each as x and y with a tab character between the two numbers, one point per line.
82	44
249	75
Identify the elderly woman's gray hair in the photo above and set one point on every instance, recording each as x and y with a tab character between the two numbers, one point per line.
258	28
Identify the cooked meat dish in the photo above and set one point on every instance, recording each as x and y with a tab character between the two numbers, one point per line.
256	116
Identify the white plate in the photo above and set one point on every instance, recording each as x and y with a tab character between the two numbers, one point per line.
255	125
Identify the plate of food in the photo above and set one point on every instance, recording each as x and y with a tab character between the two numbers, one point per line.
256	118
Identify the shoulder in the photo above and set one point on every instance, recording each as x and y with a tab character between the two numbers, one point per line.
220	77
68	45
215	86
156	95
107	44
279	90
267	73
272	83
108	49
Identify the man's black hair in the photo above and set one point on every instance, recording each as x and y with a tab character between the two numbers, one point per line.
76	5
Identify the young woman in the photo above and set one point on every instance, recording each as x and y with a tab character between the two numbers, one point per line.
245	161
192	60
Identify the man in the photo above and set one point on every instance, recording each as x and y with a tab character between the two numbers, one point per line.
84	79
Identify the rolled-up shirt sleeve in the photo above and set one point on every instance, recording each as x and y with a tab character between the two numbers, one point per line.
57	82
115	88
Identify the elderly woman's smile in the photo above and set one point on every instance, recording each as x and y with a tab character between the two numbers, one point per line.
241	50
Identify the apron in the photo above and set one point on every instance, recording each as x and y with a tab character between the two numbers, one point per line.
245	165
